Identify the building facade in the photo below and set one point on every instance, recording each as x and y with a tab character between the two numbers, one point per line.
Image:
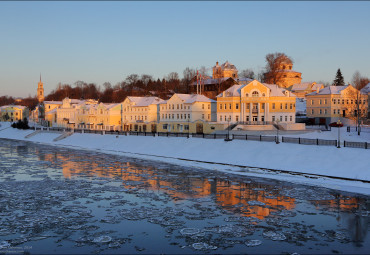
256	103
13	113
304	88
141	113
334	103
187	113
283	74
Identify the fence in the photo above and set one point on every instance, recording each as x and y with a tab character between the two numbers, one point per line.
362	145
308	141
262	138
256	138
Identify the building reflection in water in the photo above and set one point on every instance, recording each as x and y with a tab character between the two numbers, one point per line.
179	185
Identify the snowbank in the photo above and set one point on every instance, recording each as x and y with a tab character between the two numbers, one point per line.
322	160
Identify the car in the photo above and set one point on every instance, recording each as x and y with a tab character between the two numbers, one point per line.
335	124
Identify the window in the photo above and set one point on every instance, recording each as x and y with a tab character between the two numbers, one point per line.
162	116
237	106
173	116
342	101
173	107
334	111
189	116
248	106
209	116
255	94
291	106
220	106
178	106
202	106
291	118
230	106
181	106
247	118
263	106
209	106
273	106
247	95
281	106
186	127
178	116
312	111
325	101
326	111
202	116
281	118
220	117
286	106
164	126
286	118
351	101
320	101
320	111
347	101
237	118
273	118
334	101
263	94
312	102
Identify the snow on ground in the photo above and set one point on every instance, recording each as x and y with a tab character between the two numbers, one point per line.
323	160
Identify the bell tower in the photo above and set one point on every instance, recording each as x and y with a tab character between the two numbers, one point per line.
40	91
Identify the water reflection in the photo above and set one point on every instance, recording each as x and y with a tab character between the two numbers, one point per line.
93	196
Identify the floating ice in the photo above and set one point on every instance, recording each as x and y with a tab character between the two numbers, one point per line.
4	245
203	246
189	231
102	239
274	236
252	243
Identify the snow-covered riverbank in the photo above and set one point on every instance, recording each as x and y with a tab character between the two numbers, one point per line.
319	160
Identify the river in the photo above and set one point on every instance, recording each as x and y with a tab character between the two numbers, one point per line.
59	200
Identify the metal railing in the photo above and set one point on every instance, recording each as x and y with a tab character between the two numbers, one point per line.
262	138
362	145
309	141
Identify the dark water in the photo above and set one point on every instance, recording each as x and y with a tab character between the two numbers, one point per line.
56	200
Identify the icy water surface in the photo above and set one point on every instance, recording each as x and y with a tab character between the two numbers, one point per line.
56	200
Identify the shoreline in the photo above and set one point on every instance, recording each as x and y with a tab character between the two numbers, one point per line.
183	151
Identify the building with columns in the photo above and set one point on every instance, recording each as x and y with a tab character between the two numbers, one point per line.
256	103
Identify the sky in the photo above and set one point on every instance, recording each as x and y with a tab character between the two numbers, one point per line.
106	41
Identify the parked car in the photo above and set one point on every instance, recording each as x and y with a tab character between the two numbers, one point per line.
335	124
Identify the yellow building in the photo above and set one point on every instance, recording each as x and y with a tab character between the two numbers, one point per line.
49	112
66	114
185	113
256	103
226	70
13	113
141	113
336	102
98	116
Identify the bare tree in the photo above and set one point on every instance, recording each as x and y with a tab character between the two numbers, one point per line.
275	63
247	73
146	78
132	79
359	109
188	76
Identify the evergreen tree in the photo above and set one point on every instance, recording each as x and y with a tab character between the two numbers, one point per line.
339	80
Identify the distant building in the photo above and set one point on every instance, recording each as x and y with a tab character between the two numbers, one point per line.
304	88
13	113
336	102
223	77
40	91
366	90
283	75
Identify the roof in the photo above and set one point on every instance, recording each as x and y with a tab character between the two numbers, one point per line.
52	102
329	90
145	101
192	98
275	90
15	106
227	65
366	89
306	85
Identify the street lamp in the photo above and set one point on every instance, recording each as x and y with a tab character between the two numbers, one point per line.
338	124
277	131
228	130
188	127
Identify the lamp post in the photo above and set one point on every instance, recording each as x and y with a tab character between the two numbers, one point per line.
277	131
228	130
339	124
188	127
